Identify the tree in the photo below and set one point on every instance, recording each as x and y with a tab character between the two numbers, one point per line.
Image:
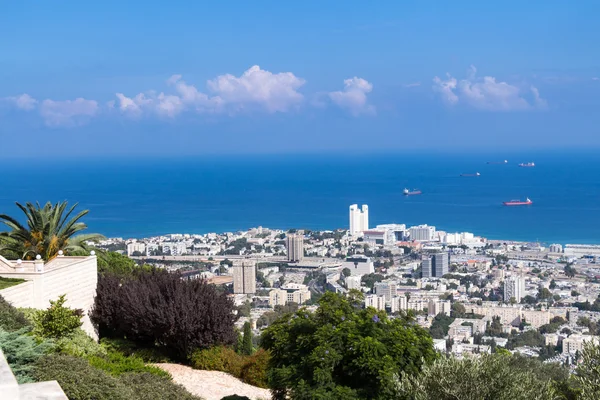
247	347
474	378
552	284
569	270
588	372
440	326
458	310
158	308
346	272
342	351
57	321
47	230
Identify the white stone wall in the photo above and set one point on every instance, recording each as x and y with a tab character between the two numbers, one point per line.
76	277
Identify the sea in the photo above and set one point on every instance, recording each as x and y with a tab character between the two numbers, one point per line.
142	197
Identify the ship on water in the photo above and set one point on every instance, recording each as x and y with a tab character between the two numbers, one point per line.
527	165
498	162
525	202
475	174
411	192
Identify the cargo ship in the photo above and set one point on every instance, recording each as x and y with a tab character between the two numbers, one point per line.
475	174
527	202
498	162
527	165
411	192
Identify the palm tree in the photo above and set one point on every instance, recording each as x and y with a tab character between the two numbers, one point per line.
48	230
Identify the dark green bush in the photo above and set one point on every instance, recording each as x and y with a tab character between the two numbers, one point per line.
79	380
152	387
21	351
130	348
254	369
235	397
11	319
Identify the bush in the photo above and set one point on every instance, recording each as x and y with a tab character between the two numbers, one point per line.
11	319
116	364
129	348
79	380
342	351
57	321
485	377
587	377
249	369
150	387
21	351
235	397
79	344
159	308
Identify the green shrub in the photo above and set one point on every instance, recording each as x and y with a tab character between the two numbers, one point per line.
57	321
21	351
249	369
79	380
11	319
235	397
116	364
129	348
151	387
218	358
79	344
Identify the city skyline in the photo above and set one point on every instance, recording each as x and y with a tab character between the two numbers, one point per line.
243	79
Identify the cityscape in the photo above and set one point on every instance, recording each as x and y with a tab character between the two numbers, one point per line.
457	284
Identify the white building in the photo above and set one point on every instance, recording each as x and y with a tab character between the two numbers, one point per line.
295	247
359	265
359	219
290	293
375	301
465	238
399	303
387	289
575	343
436	307
135	247
244	278
352	282
514	286
423	233
556	248
580	250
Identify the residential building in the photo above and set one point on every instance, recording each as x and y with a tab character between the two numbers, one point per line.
244	277
395	232
514	287
134	247
399	303
422	233
556	248
359	219
359	265
290	293
436	307
375	301
575	343
387	289
353	282
435	265
295	247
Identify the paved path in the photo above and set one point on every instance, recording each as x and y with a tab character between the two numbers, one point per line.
213	385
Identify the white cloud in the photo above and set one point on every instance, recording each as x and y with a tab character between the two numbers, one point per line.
24	102
67	112
595	78
254	89
354	96
257	87
487	93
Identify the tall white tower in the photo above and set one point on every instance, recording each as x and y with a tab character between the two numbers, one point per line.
359	219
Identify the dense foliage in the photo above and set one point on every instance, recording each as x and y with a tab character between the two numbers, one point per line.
489	377
156	308
57	321
11	319
342	351
587	377
21	351
47	230
250	369
81	381
440	326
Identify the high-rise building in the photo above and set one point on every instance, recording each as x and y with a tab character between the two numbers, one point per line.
244	278
436	307
514	286
295	247
399	303
435	265
422	233
386	289
375	301
359	219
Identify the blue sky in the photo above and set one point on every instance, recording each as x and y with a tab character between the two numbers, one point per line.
133	78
